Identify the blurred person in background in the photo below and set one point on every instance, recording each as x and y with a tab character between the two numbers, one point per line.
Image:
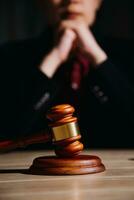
69	63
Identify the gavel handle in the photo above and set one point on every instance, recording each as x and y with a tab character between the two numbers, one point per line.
7	145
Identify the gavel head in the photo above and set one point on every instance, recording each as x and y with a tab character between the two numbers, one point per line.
65	130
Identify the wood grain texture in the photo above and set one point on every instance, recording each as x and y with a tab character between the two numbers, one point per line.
69	147
61	114
116	183
53	165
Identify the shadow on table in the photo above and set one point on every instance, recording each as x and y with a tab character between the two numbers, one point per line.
10	171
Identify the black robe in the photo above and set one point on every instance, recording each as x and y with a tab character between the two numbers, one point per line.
106	103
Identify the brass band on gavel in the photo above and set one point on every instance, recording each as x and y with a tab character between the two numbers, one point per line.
65	131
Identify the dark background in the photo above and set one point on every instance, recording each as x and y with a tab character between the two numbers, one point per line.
20	19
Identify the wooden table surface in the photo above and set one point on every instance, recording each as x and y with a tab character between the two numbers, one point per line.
116	183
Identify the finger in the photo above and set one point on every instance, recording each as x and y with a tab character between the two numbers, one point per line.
66	43
67	24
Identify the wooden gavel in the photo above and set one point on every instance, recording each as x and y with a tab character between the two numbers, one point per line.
65	134
65	131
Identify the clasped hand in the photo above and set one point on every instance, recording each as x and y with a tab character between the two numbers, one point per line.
73	28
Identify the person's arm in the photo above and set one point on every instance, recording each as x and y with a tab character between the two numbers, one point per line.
44	88
104	75
28	89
